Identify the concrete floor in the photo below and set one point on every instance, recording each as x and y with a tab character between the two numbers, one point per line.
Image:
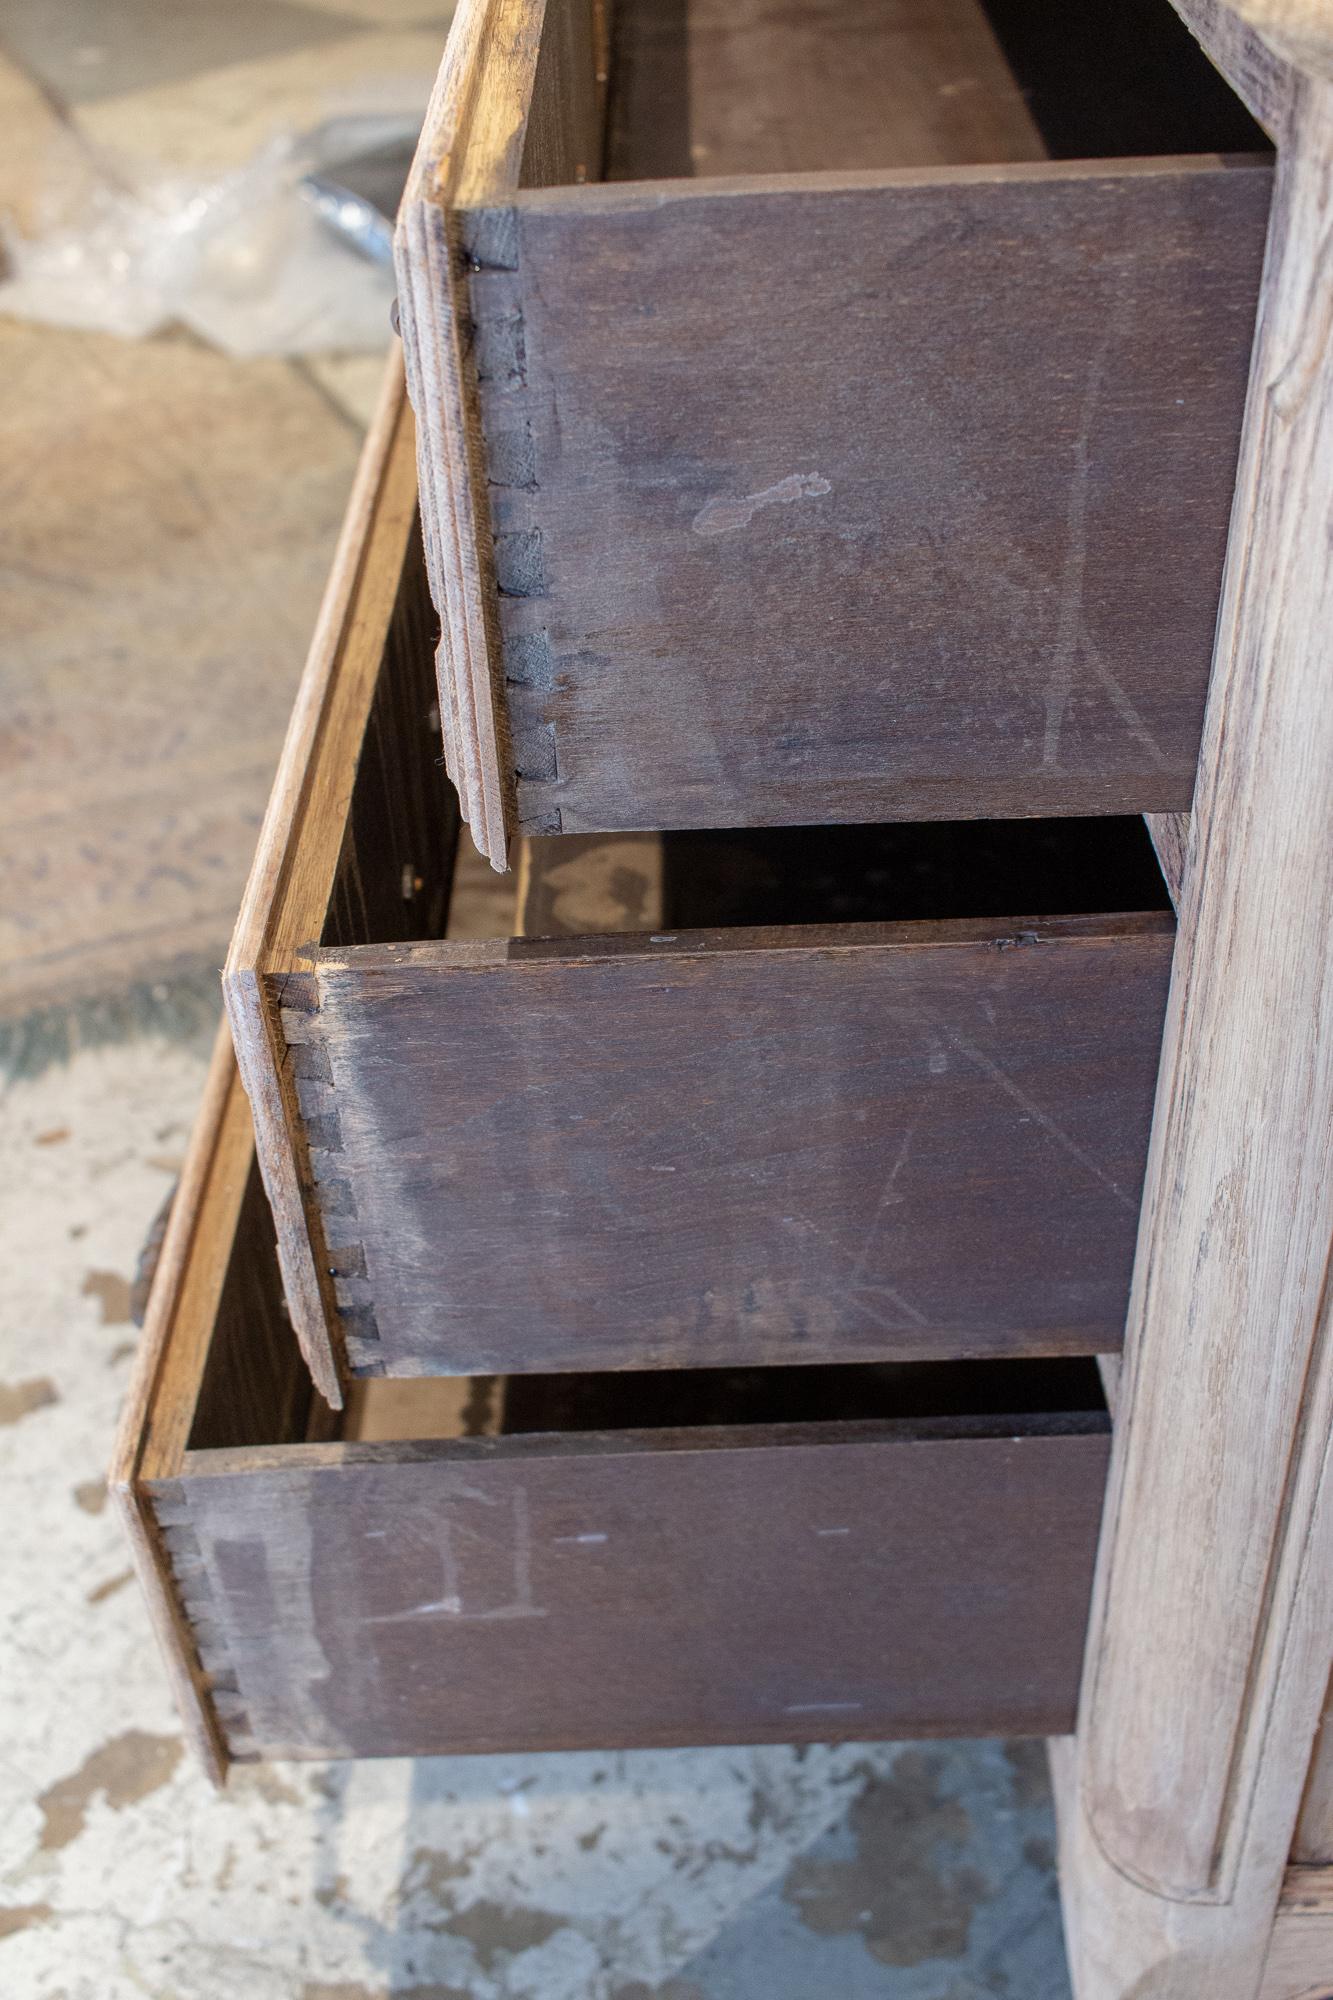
167	519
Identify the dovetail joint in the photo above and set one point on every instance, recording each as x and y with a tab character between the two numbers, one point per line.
207	1630
522	560
329	1194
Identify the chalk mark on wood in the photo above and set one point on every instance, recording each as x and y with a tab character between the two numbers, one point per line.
445	1535
720	515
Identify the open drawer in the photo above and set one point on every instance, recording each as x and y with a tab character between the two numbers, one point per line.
843	1096
841	456
765	1556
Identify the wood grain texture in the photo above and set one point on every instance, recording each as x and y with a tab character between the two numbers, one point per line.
925	1571
1210	1645
254	1383
515	1117
518	101
674	1588
764	472
1300	1957
1170	835
1028	476
1307	1891
342	784
1313	1844
400	828
218	1360
771	1146
1300	31
185	1289
756	87
1260	77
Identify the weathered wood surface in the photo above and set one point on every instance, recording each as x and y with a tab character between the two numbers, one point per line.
764	1585
466	1112
1313	1845
254	1385
1046	483
494	1153
358	836
771	1146
1300	1957
519	101
1299	31
1170	836
1213	1624
395	869
920	1571
183	1301
1262	79
763	473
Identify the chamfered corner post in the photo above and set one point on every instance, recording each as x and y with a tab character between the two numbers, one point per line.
1212	1621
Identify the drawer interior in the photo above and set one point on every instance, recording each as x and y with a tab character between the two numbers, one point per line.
408	871
970	1010
732	1036
798	876
233	1376
1049	1398
927	872
1119	78
239	1381
712	87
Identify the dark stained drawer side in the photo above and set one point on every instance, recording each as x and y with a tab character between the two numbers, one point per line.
389	1600
919	514
753	1580
883	470
853	1143
850	1141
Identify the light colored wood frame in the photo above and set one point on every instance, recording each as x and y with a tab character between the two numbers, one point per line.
510	105
1212	1626
187	1285
288	891
1301	1950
